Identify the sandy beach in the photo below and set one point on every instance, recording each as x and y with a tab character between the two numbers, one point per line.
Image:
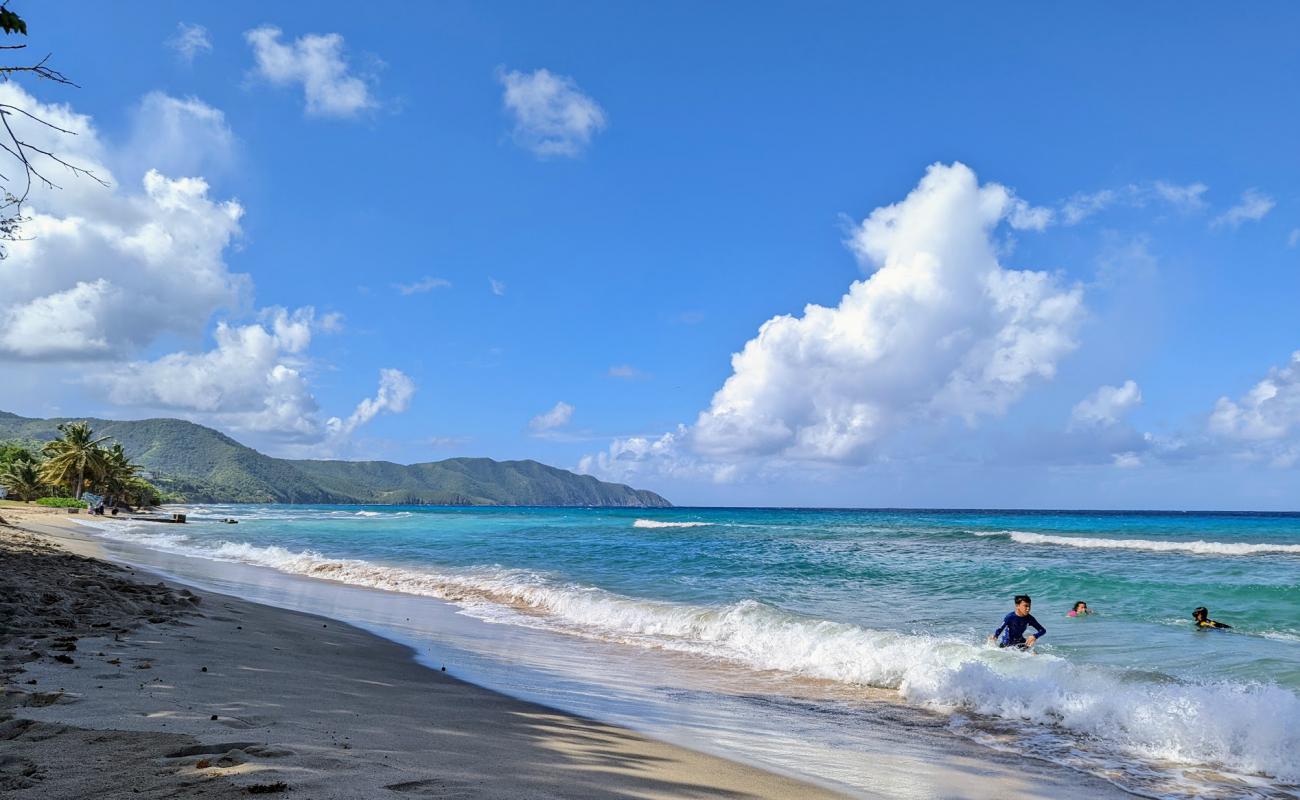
117	685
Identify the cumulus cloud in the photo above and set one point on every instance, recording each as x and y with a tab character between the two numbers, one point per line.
394	395
1107	406
557	417
190	41
254	380
552	117
104	272
251	381
1270	411
317	63
425	284
939	330
1254	206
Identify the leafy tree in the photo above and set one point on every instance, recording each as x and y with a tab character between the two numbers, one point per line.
22	477
14	451
73	457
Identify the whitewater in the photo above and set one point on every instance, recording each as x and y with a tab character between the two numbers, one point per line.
898	603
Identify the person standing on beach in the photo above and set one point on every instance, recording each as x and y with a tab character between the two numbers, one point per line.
1012	629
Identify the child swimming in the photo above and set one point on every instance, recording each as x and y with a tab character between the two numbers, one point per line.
1014	624
1080	610
1202	618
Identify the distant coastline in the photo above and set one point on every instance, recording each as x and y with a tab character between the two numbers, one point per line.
191	463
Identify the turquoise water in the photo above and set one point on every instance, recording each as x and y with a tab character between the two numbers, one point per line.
899	601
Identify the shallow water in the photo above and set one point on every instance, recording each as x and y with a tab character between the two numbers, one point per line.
831	619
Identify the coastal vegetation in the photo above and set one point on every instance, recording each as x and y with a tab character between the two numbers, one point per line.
58	472
192	463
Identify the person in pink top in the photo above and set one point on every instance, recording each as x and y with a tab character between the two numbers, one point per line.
1080	610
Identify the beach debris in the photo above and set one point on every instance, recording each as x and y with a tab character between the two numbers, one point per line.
214	716
204	669
202	763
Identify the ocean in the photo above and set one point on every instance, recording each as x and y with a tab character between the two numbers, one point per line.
849	645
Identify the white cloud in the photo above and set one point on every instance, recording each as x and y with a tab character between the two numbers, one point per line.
1127	460
316	62
1107	406
1022	216
190	41
498	287
425	284
1269	412
557	417
394	395
1084	205
1294	238
1254	206
939	329
552	116
1183	198
104	272
251	381
176	137
631	458
1186	198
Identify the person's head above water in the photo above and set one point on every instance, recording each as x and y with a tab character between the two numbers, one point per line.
1022	604
1200	613
1079	608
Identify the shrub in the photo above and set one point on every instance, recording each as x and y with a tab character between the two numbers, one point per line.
60	502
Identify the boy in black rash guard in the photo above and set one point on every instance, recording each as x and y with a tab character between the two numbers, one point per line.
1014	624
1202	618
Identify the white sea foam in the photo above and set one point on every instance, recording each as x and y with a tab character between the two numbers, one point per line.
654	523
1245	727
1200	548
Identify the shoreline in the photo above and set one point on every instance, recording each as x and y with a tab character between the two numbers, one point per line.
240	694
936	768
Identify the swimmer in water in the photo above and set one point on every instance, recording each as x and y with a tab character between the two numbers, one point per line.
1080	610
1202	619
1014	624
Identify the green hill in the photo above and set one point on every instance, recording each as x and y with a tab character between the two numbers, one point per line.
200	465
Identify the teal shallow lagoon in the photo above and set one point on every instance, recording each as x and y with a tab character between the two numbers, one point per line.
865	601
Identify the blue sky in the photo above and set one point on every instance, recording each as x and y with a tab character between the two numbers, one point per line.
661	183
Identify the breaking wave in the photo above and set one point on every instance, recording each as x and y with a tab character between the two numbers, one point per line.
1200	548
1247	727
654	523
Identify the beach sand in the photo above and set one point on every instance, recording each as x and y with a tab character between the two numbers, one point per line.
162	693
117	684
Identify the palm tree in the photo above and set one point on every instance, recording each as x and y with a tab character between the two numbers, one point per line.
118	472
73	457
23	478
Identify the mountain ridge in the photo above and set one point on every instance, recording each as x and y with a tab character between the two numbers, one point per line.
198	464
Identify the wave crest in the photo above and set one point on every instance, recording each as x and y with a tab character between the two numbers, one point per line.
1200	548
654	523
